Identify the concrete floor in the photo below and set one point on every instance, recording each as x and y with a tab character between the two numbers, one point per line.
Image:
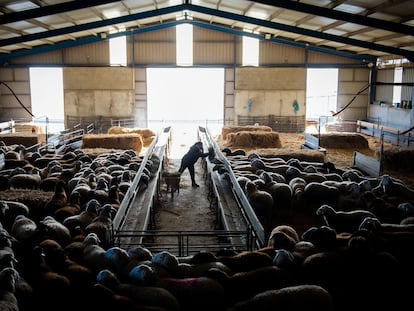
189	208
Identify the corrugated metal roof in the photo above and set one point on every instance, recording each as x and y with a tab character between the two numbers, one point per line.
376	28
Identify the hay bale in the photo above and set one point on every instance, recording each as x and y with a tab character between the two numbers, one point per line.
343	141
116	130
147	134
25	139
289	153
253	139
252	128
397	158
113	141
147	140
35	199
29	128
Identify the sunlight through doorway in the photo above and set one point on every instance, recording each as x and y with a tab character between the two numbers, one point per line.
185	98
46	88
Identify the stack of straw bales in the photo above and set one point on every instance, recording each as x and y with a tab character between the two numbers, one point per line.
248	137
146	134
26	139
113	141
251	128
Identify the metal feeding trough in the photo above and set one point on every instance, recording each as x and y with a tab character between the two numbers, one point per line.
172	180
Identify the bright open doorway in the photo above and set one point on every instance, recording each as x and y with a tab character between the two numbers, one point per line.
185	98
46	88
321	92
185	95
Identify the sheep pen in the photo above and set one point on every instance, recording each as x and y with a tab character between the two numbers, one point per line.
340	151
291	143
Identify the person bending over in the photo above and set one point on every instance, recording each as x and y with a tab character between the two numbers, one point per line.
190	158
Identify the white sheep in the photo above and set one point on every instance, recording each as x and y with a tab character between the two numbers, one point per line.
24	229
50	228
9	211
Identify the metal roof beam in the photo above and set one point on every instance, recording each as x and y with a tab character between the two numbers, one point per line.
302	31
51	9
93	39
92	25
344	16
178	8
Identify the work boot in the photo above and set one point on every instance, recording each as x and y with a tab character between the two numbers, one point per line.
195	184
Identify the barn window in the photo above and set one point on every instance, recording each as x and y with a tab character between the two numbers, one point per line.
117	51
184	45
396	92
250	51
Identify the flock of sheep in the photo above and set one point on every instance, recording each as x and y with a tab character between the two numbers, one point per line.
337	240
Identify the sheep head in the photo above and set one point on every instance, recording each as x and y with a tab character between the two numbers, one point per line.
370	223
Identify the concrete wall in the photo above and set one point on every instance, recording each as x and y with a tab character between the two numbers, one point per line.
141	101
350	83
229	76
271	91
18	80
108	92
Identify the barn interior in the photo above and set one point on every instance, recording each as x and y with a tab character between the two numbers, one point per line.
305	191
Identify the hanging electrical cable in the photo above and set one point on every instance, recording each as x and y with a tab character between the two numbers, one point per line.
362	90
352	100
15	96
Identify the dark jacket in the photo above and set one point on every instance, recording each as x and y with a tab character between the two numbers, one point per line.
191	157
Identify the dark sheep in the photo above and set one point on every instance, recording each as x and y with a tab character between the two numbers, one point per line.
8	280
140	297
298	298
343	221
261	203
246	261
244	285
25	181
283	237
